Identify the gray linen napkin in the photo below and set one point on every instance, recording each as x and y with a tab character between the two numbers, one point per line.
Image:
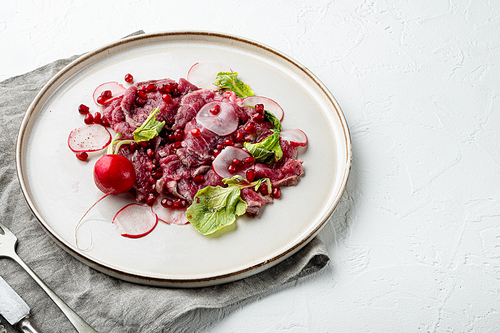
108	304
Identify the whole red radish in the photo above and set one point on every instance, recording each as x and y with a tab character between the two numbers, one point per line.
114	174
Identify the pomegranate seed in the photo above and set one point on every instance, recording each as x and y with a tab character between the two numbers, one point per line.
151	88
196	132
179	135
237	163
101	100
142	94
216	152
157	174
171	137
129	78
167	203
164	89
176	92
228	142
215	110
259	108
151	199
107	94
177	144
231	168
220	146
144	144
179	203
105	122
97	118
263	189
248	160
167	98
133	146
239	137
258	117
89	119
198	179
249	128
152	181
150	152
140	101
276	192
82	156
83	109
250	175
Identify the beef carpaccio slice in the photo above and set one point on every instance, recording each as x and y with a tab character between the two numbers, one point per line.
178	163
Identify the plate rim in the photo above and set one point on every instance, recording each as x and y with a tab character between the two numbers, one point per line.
184	282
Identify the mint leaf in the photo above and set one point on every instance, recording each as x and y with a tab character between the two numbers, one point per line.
267	150
230	81
149	129
214	208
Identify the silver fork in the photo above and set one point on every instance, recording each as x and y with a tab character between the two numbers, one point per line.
8	242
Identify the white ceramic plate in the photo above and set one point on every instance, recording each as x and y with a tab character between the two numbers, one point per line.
59	188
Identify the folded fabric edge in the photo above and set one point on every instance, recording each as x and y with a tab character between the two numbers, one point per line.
307	261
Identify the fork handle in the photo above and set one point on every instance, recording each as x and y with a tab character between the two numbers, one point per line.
80	325
26	325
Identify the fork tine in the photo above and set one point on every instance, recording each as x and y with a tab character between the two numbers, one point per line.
5	231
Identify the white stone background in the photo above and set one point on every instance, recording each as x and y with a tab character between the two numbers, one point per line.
415	242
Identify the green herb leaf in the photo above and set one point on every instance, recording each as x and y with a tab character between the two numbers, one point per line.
267	150
230	81
273	120
214	208
236	180
149	129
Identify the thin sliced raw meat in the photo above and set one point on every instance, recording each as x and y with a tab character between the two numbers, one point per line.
135	220
89	138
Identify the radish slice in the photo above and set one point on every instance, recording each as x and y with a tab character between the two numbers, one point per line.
223	123
89	138
296	137
135	220
117	90
269	105
202	74
169	215
225	159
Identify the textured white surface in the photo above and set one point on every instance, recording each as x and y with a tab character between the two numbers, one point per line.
415	243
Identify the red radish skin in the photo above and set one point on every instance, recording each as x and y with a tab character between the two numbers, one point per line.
88	138
202	74
117	90
296	137
169	215
269	105
222	123
224	160
114	174
135	220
